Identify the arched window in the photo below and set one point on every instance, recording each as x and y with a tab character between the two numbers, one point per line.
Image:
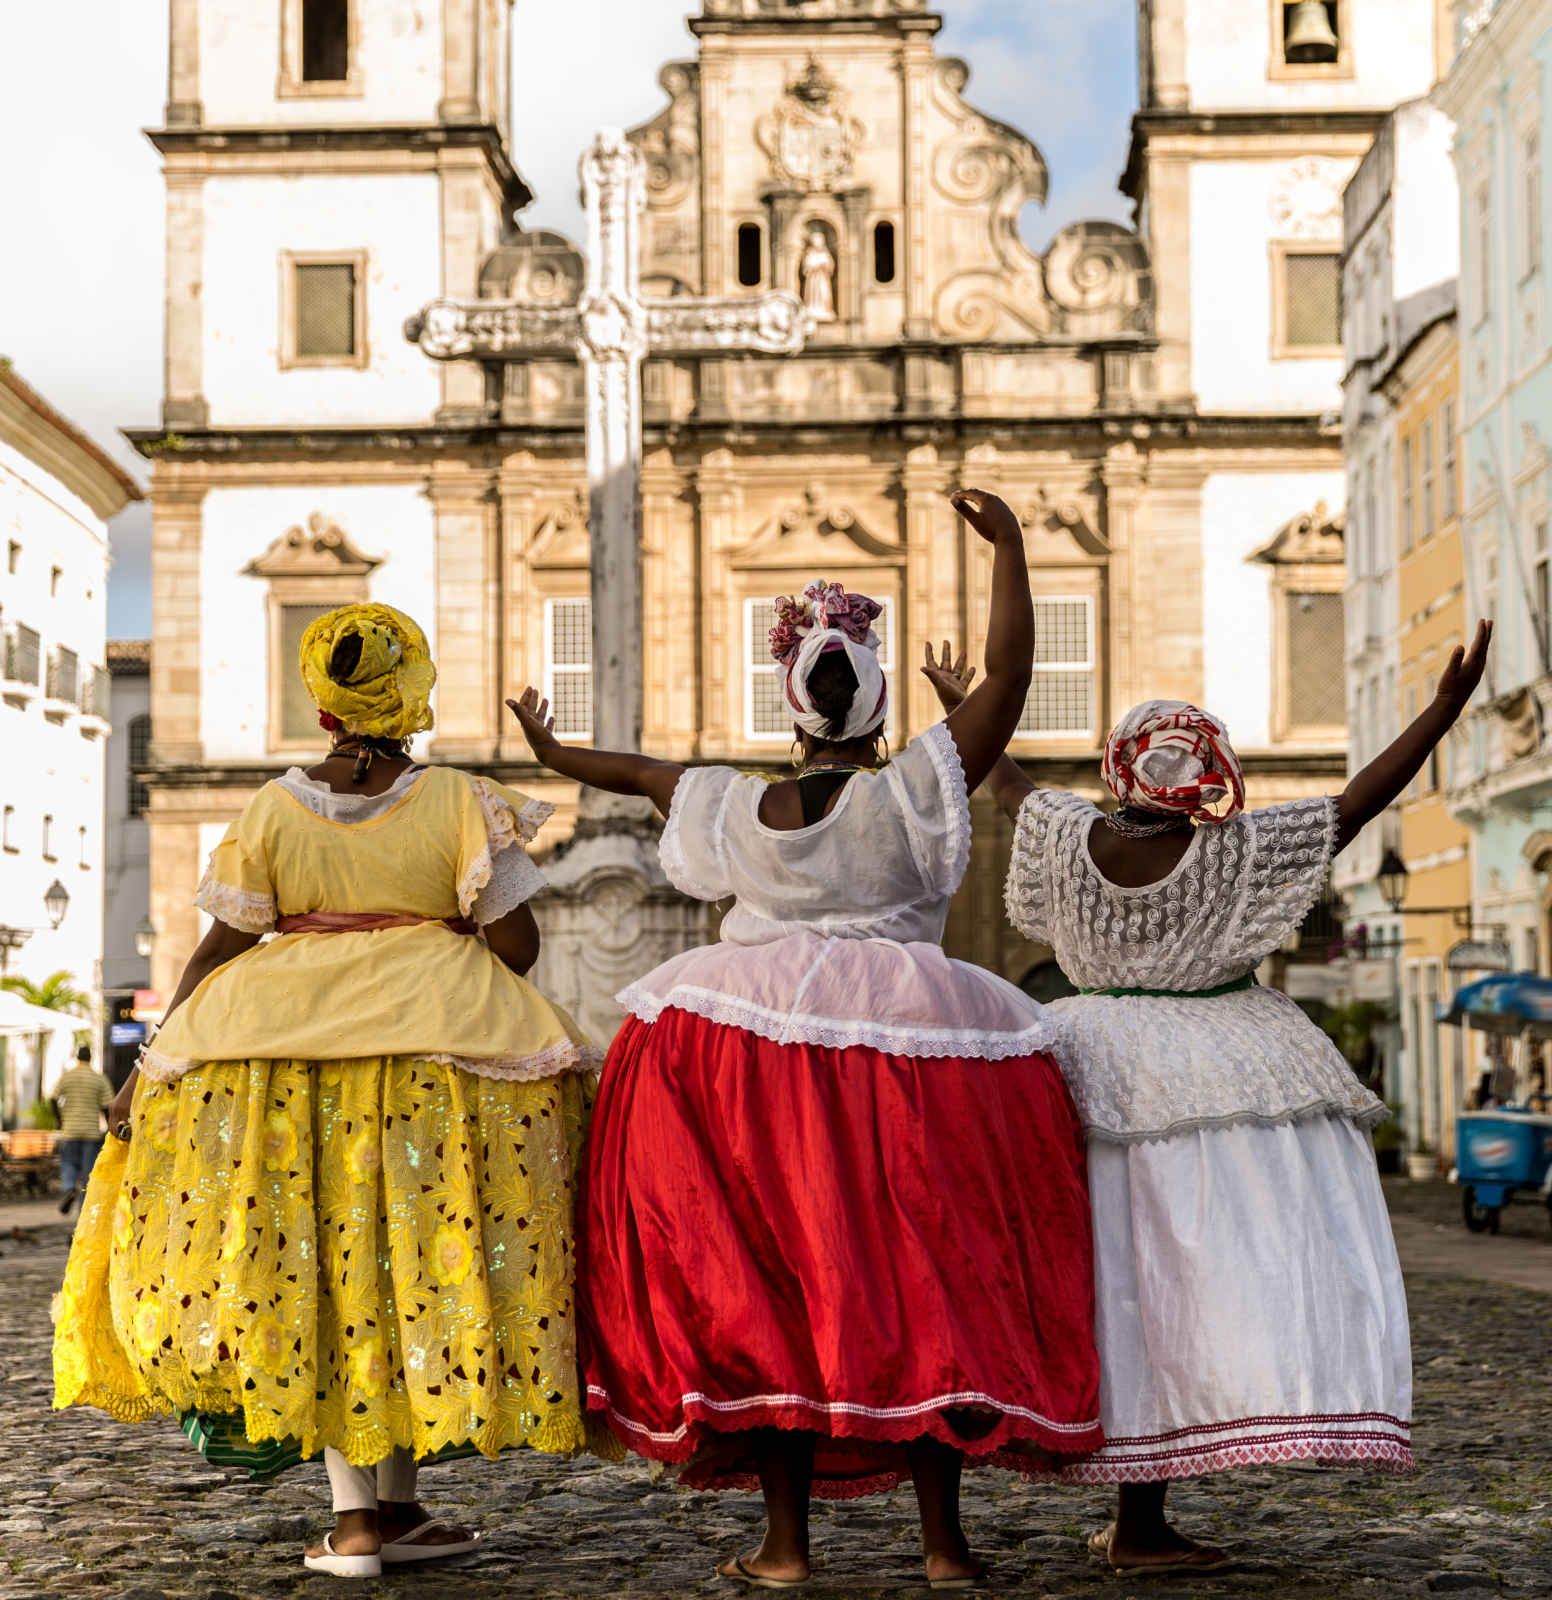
751	255
884	267
139	757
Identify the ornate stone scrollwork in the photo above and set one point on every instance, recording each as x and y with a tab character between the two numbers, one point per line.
774	324
1044	515
450	330
811	139
540	269
1099	280
671	141
1315	538
321	549
801	532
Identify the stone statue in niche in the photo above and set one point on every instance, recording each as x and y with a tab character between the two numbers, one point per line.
818	274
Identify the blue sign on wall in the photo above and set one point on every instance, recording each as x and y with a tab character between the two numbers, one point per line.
126	1033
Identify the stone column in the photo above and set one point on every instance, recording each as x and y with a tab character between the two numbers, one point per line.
517	492
716	70
467	613
933	581
183	380
466	232
1123	474
719	500
461	33
916	81
183	109
176	682
1167	599
1170	244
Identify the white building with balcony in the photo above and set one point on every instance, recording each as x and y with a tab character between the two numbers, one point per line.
57	492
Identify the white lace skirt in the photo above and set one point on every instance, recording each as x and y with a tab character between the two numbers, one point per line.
1250	1304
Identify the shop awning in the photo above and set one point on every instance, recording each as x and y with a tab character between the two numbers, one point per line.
1508	1003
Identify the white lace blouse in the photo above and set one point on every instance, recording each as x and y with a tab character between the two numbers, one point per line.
833	934
1146	1066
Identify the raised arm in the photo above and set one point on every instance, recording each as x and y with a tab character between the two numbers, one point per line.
951	680
1393	769
984	723
609	770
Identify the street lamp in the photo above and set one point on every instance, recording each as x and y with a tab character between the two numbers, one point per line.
56	902
1393	880
145	939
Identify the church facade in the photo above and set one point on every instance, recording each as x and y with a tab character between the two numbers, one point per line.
1159	403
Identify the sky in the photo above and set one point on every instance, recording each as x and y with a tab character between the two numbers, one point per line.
81	237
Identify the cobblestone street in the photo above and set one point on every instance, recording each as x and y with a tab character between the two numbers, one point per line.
93	1508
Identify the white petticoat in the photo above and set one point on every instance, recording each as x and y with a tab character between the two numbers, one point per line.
837	993
1150	1066
1250	1304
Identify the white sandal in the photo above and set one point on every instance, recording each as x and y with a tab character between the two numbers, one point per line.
407	1547
338	1566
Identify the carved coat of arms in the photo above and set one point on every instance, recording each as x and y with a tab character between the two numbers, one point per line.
811	138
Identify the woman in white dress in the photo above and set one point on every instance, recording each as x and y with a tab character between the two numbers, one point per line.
1250	1308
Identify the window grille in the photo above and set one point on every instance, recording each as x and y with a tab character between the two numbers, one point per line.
1312	300
64	677
568	665
1062	693
139	759
23	655
1317	691
325	310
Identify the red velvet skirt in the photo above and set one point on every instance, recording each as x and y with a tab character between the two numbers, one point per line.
869	1248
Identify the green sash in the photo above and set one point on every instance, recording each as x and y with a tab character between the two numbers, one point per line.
1237	986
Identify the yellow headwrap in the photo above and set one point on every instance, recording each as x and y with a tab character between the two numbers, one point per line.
388	695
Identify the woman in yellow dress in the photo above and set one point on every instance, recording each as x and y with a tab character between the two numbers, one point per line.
339	1211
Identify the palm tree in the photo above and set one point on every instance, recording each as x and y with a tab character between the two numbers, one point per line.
57	992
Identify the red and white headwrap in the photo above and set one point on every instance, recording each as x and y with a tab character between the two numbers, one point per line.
824	618
1169	756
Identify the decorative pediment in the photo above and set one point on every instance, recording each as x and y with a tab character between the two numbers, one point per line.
560	536
1059	518
540	269
811	532
1315	539
320	550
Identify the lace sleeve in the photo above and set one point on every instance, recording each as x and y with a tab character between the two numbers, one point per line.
1028	891
928	784
510	821
693	850
236	888
1290	849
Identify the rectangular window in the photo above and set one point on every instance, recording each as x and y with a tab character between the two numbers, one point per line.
139	799
23	655
1309	303
325	41
7	825
48	839
1425	531
13	558
1062	694
64	677
1543	592
1490	585
55	574
298	714
1433	767
325	308
1317	685
1449	487
568	665
1530	220
1415	786
1408	494
86	865
767	716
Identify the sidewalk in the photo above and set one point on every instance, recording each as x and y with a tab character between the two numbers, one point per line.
23	1215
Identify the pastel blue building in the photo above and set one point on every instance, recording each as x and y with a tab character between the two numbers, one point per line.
1499	95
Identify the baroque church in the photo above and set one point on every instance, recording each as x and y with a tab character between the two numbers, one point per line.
1159	402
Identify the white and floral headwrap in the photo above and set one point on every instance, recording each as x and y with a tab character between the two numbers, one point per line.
1173	757
825	618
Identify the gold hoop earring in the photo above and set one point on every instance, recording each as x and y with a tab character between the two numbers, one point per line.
799	761
881	748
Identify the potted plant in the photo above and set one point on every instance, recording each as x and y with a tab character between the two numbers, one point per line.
1422	1163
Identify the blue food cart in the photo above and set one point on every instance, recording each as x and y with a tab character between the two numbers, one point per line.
1504	1150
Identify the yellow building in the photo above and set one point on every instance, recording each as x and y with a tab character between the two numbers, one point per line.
1424	387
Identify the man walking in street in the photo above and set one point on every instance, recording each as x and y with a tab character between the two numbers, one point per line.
80	1099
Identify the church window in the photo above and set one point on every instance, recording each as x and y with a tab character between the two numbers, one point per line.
767	716
1307	315
568	665
325	41
139	798
1317	684
751	255
1062	691
884	266
323	310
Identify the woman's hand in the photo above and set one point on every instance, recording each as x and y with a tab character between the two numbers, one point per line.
1463	672
119	1106
990	515
533	716
950	678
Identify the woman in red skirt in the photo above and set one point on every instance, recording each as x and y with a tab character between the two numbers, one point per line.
834	1228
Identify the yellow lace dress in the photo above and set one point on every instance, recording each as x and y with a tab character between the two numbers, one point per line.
346	1209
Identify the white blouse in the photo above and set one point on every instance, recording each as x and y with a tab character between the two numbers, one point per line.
1146	1066
834	933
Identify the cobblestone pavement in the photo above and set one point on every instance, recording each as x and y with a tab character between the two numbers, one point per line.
89	1507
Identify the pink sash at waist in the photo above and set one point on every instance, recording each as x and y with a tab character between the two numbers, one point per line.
367	922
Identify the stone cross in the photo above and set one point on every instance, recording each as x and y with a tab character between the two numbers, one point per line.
613	329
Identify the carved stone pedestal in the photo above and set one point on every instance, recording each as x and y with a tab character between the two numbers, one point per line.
610	915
